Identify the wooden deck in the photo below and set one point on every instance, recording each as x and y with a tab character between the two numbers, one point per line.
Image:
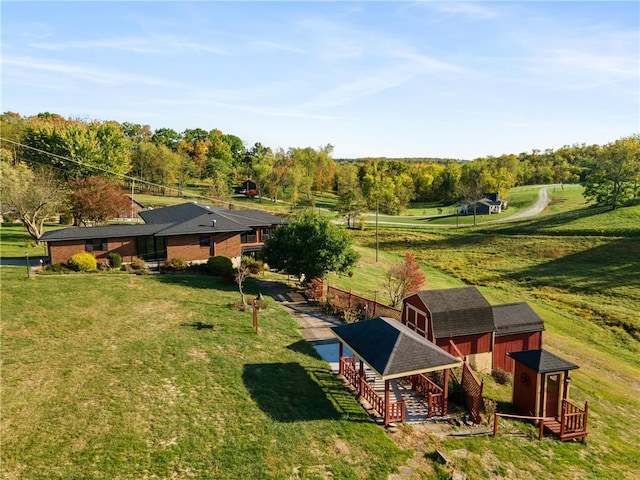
572	424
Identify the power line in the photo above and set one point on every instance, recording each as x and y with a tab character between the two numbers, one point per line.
122	175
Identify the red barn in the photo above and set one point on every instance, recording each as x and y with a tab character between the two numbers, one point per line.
482	332
462	315
518	328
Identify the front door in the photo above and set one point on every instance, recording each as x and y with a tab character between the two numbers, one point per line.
553	392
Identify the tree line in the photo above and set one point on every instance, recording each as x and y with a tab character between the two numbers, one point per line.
163	161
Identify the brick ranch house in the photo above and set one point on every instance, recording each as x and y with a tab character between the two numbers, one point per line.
189	231
480	331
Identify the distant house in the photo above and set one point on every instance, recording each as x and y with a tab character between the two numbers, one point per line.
481	332
490	204
248	188
131	213
189	231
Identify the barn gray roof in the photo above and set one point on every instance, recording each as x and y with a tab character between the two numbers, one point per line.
458	311
542	361
391	349
184	219
514	318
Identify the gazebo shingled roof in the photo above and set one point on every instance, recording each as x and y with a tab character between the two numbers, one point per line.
391	349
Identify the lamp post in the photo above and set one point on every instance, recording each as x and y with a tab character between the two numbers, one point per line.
26	259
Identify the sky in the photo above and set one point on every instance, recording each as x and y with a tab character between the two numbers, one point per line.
374	79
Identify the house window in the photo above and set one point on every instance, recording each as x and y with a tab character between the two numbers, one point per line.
249	237
205	241
151	248
96	244
265	233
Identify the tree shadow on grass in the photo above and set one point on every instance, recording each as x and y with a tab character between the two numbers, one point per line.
289	392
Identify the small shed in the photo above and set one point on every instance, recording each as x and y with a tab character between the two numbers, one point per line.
540	382
541	390
518	328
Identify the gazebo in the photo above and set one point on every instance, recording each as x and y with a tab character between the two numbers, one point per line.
393	351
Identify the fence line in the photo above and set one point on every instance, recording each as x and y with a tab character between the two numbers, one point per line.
354	307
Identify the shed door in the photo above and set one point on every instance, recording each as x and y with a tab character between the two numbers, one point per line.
553	392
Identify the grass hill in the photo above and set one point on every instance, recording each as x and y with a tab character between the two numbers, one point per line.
155	376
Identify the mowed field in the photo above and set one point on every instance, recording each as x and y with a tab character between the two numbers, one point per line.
155	376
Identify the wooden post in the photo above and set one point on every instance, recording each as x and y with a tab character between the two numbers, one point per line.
361	377
375	303
255	314
495	424
340	352
445	393
541	429
386	402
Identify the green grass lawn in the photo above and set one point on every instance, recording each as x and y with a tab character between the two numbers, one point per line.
114	376
125	376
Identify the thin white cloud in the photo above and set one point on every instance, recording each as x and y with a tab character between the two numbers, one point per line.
474	11
150	46
277	46
86	73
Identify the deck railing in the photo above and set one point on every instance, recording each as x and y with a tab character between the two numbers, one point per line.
397	410
431	391
470	383
573	419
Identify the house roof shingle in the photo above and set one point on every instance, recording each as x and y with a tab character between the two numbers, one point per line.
107	231
184	219
391	349
542	361
458	311
514	318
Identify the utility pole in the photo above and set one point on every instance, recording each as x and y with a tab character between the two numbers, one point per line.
377	200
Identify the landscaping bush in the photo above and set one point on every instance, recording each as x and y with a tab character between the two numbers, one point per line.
115	260
255	266
83	262
220	266
176	264
56	268
501	376
137	263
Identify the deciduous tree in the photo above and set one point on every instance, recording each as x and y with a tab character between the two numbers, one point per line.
614	178
310	246
95	148
96	200
30	195
404	279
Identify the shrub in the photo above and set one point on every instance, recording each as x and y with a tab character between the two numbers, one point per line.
115	260
500	376
220	266
83	262
177	264
255	266
66	219
56	268
137	263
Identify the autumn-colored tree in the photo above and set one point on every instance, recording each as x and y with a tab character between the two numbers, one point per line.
31	196
404	279
96	200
